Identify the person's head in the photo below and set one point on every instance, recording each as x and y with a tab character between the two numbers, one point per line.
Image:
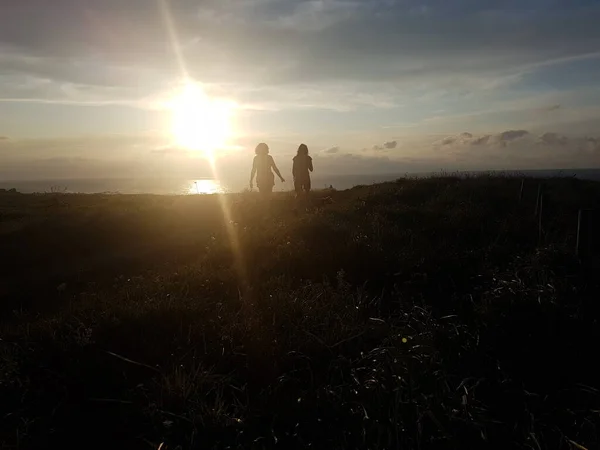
261	149
303	149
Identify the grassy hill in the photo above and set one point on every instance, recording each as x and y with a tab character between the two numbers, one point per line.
419	314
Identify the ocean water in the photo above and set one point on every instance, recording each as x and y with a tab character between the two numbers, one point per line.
170	186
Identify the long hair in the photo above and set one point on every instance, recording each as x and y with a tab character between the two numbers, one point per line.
261	149
302	150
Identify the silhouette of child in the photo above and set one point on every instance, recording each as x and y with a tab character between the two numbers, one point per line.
301	170
261	167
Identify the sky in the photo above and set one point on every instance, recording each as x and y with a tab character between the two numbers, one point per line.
371	86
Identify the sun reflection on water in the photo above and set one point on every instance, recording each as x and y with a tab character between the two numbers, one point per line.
205	187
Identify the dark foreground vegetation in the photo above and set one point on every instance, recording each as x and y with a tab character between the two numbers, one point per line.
421	314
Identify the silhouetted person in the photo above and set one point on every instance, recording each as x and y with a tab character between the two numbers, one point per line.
301	170
261	167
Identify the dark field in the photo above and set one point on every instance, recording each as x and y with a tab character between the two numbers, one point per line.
421	314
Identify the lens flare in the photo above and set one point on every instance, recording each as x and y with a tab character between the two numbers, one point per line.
195	127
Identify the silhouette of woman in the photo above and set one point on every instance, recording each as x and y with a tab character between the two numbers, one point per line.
261	167
301	170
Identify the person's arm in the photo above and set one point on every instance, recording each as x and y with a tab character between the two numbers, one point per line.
310	166
276	170
253	172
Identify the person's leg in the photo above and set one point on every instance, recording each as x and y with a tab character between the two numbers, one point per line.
306	192
265	189
297	187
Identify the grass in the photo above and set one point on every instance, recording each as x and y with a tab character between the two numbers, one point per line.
420	314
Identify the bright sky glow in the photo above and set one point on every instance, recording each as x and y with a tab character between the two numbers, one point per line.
371	86
200	123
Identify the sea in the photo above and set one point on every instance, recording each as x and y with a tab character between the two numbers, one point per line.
174	186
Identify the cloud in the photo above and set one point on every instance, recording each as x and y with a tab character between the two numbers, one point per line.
456	139
440	68
465	138
487	139
332	150
518	149
481	140
511	135
243	46
168	150
110	156
553	139
389	145
353	164
105	147
591	145
131	156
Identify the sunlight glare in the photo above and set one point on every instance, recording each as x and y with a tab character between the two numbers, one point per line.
199	122
193	127
205	187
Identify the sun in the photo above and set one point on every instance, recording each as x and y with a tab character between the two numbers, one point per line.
199	122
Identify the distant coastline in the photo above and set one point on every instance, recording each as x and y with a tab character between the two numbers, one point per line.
172	186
